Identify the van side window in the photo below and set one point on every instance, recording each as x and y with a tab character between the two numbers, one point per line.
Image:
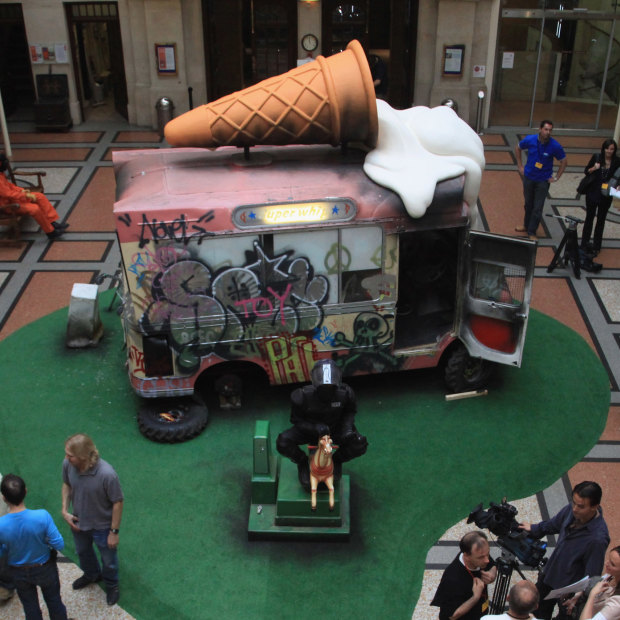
499	282
220	252
316	253
361	256
350	258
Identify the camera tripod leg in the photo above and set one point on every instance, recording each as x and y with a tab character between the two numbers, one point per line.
557	257
572	249
570	245
502	585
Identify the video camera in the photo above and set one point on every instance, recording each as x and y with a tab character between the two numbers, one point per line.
500	520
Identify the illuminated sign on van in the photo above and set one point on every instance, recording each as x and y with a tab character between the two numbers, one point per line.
294	213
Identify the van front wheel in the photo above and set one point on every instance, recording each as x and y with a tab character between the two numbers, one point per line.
172	420
464	372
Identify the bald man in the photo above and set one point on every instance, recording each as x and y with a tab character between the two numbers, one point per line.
522	601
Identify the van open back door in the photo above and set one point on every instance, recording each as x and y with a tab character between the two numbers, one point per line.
495	298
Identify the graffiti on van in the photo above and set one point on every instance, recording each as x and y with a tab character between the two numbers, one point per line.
179	229
227	312
148	262
369	351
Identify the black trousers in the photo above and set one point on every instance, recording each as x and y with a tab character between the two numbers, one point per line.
545	608
596	210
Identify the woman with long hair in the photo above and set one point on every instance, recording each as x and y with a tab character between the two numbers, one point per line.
604	599
602	166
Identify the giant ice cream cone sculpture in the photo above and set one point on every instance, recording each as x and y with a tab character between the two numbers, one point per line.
326	101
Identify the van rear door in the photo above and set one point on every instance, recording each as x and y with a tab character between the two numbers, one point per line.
497	274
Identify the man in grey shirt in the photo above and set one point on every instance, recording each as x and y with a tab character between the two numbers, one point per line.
92	488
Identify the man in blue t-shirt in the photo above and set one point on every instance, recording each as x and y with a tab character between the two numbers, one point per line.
27	538
538	173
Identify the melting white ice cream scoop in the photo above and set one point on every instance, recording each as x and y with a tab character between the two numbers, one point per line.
421	146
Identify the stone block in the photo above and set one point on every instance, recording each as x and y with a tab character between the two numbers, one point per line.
84	327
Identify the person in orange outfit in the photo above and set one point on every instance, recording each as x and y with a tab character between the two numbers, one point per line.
34	204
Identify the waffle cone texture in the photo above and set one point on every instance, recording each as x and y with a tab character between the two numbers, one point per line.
326	101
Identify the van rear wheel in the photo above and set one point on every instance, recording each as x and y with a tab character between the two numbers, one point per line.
172	420
464	372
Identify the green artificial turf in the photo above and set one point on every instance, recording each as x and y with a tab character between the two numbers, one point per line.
184	551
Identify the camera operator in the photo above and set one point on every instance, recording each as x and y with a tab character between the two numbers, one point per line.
522	601
580	549
462	591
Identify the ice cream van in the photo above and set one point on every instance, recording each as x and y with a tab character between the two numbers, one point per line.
271	258
301	257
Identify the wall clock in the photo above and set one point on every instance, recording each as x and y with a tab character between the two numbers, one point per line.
309	42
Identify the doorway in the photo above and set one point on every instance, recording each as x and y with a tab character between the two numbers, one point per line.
427	278
386	31
97	52
16	83
561	64
269	39
247	41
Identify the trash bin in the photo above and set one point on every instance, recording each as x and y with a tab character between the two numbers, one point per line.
98	93
451	103
164	107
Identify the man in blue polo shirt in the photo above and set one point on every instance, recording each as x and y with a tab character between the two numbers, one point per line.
538	173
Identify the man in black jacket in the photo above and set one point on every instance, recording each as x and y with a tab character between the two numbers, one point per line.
462	592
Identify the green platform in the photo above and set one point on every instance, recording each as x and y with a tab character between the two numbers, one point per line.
281	508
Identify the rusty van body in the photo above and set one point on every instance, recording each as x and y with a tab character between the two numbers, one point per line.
294	255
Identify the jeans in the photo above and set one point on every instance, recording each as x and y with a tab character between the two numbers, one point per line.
6	577
84	540
534	193
46	577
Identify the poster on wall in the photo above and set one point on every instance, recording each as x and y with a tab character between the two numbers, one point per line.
166	58
36	54
508	60
453	59
53	52
49	53
60	49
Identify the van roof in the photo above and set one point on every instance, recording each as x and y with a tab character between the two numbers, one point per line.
207	186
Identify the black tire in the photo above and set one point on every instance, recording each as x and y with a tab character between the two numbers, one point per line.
172	420
464	373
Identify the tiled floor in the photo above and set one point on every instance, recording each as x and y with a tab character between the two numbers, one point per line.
36	278
590	306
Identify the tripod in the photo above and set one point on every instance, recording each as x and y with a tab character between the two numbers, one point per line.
506	563
570	245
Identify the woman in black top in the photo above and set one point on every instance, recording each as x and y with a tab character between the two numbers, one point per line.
603	166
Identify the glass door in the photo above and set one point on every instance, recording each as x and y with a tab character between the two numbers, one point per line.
515	75
558	64
574	88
